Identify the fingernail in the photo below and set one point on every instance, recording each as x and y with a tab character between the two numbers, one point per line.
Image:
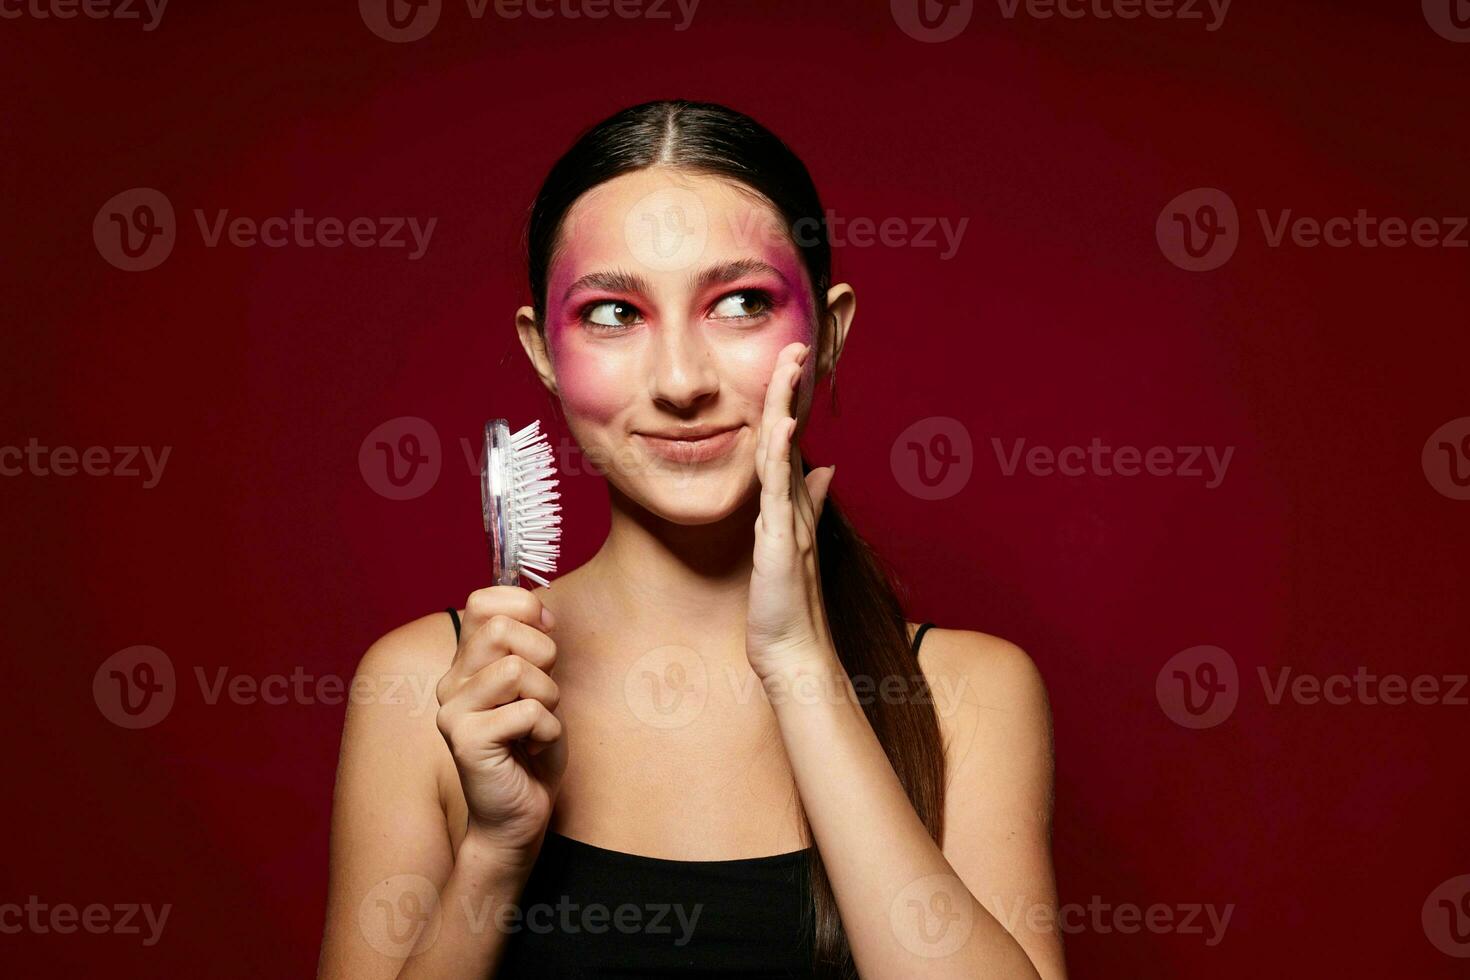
547	619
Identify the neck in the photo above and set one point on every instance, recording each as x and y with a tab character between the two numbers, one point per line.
676	579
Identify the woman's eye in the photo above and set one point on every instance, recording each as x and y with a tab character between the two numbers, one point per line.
611	314
746	305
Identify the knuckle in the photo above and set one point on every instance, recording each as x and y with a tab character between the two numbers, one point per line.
480	603
498	629
523	711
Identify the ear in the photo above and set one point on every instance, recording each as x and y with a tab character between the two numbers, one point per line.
533	341
841	307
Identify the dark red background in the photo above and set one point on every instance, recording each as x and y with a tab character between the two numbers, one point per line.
265	550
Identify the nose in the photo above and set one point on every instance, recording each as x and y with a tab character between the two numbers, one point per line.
684	373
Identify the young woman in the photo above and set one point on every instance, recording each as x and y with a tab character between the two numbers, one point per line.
718	747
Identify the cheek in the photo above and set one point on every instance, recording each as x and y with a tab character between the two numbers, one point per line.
594	385
749	365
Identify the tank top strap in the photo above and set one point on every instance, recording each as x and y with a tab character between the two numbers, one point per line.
454	615
919	636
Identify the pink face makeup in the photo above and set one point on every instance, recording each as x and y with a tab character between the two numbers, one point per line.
664	357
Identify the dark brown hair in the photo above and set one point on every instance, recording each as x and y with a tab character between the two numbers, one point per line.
863	612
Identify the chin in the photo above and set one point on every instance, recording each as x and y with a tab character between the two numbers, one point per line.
692	497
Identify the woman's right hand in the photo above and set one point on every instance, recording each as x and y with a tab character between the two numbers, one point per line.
497	706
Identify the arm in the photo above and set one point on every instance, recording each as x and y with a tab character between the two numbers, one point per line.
982	906
401	901
909	908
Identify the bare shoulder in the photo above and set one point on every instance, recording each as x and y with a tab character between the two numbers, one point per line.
994	718
994	671
420	647
392	713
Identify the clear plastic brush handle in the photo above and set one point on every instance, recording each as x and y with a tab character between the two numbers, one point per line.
495	477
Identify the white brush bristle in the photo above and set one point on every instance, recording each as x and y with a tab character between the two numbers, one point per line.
535	515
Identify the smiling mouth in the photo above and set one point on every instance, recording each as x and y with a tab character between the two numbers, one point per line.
700	450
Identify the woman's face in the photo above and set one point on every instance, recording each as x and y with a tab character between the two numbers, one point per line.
667	302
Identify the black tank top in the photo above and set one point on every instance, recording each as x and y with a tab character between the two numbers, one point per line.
587	911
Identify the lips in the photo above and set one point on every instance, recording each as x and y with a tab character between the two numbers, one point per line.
683	449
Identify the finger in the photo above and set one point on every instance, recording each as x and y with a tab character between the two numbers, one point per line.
505	680
524	719
777	401
776	513
498	637
504	600
818	482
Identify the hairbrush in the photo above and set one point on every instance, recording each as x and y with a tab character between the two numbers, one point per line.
519	499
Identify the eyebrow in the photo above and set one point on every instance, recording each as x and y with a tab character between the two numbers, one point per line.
618	281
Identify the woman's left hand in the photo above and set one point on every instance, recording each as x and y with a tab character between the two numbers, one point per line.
786	622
